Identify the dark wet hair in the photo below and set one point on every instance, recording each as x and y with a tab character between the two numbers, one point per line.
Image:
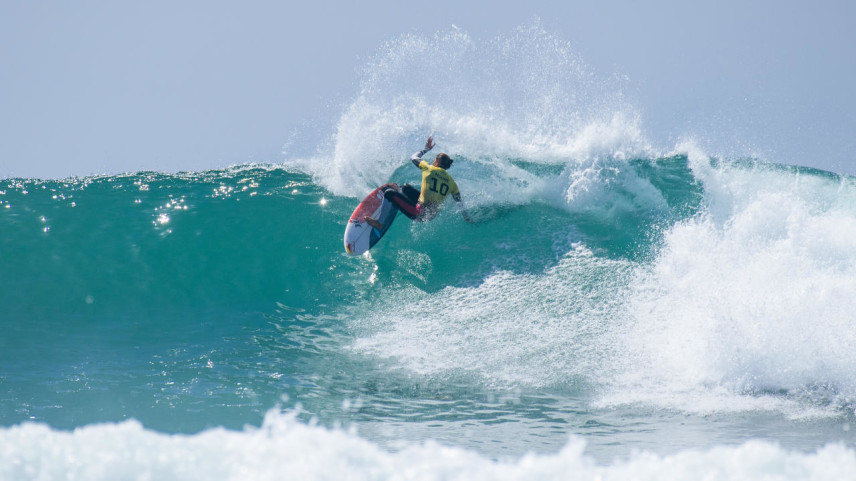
445	160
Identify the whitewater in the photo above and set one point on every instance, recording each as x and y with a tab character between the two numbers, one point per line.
618	310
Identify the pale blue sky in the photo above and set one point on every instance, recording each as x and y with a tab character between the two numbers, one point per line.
109	86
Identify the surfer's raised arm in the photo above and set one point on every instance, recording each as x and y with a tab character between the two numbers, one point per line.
417	157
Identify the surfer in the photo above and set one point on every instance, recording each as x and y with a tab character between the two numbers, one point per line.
424	205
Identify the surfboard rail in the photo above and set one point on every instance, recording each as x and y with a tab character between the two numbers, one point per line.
359	235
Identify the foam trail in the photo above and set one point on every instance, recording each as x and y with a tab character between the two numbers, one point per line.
512	330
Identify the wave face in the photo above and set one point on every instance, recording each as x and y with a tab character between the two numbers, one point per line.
641	301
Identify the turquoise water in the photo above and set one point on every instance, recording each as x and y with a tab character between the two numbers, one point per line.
613	311
198	300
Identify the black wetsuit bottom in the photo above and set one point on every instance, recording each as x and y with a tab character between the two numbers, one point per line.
406	201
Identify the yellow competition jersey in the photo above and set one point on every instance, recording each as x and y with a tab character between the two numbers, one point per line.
436	184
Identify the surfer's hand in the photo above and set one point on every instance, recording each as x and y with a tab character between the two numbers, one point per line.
429	144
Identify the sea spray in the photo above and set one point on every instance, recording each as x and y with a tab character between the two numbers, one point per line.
523	95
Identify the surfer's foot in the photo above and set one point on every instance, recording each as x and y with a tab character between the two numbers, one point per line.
377	225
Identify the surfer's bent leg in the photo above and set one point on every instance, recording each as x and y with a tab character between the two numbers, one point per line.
411	193
404	203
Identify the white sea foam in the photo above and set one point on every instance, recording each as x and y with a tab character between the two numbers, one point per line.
754	297
285	448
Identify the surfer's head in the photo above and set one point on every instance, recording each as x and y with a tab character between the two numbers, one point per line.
443	161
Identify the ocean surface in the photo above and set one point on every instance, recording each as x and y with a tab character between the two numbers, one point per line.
617	311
